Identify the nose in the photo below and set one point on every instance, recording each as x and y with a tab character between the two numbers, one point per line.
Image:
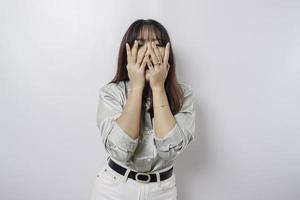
148	45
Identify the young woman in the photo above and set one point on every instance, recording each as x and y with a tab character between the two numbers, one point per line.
145	117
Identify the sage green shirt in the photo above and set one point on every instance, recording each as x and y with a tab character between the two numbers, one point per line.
147	153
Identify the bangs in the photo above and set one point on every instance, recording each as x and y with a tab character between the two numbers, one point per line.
150	32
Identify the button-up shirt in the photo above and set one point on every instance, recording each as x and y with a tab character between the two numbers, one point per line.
146	153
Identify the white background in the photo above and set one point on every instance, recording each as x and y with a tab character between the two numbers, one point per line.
240	56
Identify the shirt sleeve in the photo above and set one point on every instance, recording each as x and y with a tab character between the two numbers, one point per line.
181	135
117	143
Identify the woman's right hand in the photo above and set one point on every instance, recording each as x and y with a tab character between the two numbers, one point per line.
136	63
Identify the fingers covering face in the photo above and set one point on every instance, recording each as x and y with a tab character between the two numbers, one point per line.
141	54
151	67
137	56
157	53
134	51
167	53
143	65
128	52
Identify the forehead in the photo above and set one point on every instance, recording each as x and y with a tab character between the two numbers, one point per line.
147	33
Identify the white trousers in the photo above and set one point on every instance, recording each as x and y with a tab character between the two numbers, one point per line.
110	185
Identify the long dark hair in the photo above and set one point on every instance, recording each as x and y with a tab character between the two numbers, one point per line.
173	90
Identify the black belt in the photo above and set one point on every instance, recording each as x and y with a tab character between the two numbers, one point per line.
140	176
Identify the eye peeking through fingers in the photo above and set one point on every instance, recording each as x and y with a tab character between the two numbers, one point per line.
140	44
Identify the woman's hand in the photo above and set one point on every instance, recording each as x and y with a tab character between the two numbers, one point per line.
158	72
136	62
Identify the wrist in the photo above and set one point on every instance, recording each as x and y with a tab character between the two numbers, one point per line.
137	87
158	89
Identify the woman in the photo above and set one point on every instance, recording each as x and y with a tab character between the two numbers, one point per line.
145	117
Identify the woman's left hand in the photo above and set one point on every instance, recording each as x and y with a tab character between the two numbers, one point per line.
158	66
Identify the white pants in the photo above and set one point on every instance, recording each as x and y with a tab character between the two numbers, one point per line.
110	185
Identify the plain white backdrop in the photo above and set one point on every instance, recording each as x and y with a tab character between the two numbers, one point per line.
241	58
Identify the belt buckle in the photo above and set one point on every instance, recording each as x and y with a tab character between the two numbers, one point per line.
142	181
